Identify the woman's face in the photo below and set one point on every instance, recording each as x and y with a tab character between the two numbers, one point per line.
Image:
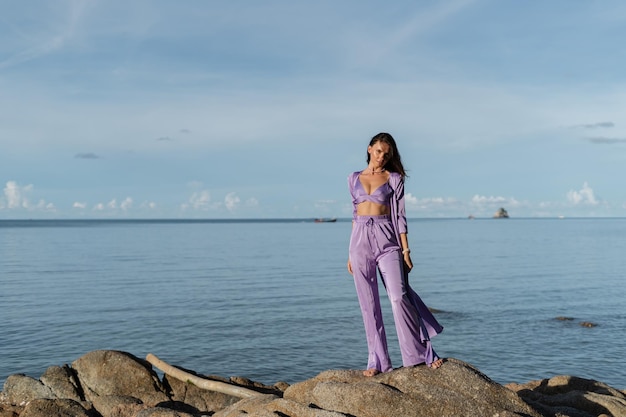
379	154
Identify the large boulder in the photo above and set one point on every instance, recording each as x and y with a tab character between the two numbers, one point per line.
108	372
455	389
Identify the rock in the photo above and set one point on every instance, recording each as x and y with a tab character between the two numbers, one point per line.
162	412
118	405
63	383
209	401
271	406
276	389
570	395
20	389
501	214
254	406
582	323
117	384
108	372
455	389
45	407
9	410
281	386
201	400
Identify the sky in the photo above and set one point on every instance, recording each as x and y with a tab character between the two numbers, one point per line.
247	109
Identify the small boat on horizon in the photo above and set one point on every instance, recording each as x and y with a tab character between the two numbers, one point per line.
325	220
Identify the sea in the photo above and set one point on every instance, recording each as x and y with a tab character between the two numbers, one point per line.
271	300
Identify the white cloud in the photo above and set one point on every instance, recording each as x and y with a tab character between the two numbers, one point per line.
583	196
79	205
482	200
202	201
148	205
433	206
231	201
413	202
482	204
126	204
410	199
14	195
17	198
199	200
43	206
451	206
111	207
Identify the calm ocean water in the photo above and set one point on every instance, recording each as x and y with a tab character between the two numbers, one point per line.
272	300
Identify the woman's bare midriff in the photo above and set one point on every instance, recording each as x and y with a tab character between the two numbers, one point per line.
368	208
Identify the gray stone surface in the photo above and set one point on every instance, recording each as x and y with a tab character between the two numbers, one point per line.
118	384
107	372
45	407
20	389
63	382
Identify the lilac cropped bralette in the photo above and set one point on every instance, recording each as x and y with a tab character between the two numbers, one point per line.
381	195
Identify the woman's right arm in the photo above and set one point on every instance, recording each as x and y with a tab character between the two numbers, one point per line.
351	188
350	263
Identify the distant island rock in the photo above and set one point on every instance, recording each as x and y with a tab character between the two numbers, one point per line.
117	384
501	214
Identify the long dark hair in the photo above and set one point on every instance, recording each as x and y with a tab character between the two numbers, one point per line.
394	164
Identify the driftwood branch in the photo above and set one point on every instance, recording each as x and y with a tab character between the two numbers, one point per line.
202	383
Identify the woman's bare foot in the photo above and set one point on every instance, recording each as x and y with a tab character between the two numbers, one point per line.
371	372
436	364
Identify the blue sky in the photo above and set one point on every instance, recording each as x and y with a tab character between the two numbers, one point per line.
220	109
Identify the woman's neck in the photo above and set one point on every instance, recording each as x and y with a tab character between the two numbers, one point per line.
375	170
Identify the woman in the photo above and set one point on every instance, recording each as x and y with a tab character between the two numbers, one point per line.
379	240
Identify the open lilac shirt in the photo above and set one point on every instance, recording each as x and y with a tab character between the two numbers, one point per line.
389	194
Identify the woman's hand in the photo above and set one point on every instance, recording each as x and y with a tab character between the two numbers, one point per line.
349	267
408	262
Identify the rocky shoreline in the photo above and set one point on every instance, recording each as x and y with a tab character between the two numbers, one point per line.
108	383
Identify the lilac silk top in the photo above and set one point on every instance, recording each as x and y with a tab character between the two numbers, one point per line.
389	194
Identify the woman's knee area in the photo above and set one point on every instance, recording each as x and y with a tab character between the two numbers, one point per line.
397	297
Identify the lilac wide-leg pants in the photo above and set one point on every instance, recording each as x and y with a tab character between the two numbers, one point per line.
373	245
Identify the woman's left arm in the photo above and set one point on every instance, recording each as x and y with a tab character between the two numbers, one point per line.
406	252
402	224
